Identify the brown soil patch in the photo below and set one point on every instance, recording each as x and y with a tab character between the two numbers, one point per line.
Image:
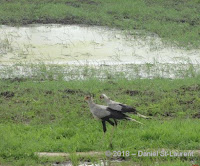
132	92
7	94
197	115
195	87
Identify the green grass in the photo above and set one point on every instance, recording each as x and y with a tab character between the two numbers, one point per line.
46	113
22	71
51	116
177	21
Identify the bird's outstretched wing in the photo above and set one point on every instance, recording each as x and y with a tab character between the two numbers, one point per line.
128	109
116	114
120	115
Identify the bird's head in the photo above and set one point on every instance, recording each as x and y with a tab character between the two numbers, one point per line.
88	98
103	96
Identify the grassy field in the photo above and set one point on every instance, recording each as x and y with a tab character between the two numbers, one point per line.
51	116
45	113
177	21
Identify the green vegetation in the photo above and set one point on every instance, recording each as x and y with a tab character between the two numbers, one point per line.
102	72
52	116
177	21
42	112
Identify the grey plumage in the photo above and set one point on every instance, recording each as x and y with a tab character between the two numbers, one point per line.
98	111
105	113
120	107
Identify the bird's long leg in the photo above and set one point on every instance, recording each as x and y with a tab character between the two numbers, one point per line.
104	126
109	121
113	129
104	129
115	122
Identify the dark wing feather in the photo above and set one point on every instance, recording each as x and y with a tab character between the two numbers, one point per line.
129	109
115	114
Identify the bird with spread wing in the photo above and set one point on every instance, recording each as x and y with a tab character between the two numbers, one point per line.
120	107
106	113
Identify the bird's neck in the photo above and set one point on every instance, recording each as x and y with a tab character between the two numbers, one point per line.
91	103
107	100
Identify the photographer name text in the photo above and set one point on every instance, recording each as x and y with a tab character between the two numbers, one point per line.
141	153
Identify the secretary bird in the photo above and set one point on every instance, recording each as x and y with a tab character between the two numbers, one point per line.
120	107
105	113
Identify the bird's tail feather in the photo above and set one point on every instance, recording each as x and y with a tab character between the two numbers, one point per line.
128	118
142	116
